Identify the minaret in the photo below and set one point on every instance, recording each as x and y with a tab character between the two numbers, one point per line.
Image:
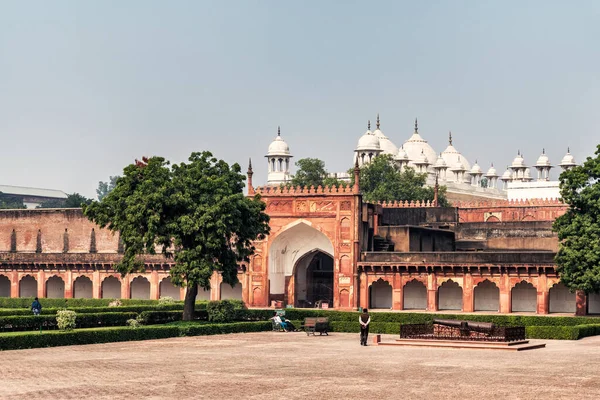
356	187
278	158
249	174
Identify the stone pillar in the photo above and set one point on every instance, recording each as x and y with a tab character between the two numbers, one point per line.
96	285
14	284
364	290
182	293
396	292
216	293
401	299
468	295
354	289
432	304
542	295
505	299
245	287
154	285
68	278
581	303
41	278
126	287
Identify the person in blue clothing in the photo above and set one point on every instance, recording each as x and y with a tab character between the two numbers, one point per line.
36	307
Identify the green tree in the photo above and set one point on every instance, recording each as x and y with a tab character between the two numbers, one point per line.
312	172
11	203
73	200
195	213
382	180
105	187
578	257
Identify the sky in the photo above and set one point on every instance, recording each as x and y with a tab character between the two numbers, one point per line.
88	86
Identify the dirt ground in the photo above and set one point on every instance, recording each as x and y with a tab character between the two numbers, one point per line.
293	366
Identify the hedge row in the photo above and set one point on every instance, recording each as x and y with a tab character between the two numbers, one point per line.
95	310
121	334
420	318
25	302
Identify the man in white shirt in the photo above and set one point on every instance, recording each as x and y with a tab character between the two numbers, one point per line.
365	320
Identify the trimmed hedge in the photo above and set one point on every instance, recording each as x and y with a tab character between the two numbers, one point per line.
121	334
95	310
25	302
45	322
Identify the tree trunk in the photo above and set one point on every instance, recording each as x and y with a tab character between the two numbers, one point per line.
190	302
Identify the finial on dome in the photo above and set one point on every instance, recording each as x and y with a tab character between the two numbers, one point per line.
492	164
475	161
543	150
518	152
377	120
369	125
249	164
416	126
568	149
450	137
278	131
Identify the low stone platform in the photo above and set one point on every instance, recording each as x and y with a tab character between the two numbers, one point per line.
462	344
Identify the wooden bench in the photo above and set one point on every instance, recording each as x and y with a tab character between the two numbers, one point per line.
316	324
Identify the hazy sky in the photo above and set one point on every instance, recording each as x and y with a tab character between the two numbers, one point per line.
87	86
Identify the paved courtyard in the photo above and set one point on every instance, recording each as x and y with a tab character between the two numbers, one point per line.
294	366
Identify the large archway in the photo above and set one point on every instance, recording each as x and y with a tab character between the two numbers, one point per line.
294	253
380	295
82	288
561	299
111	288
523	297
28	287
4	286
313	280
450	296
487	296
55	288
140	288
166	288
415	295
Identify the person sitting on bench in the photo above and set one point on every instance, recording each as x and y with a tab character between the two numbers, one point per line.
279	322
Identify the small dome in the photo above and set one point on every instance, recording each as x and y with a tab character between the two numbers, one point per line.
422	159
440	163
450	155
278	146
401	155
492	172
507	175
416	145
368	142
518	162
568	160
527	176
476	170
386	145
543	160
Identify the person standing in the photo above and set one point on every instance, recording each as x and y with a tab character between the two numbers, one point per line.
365	320
36	307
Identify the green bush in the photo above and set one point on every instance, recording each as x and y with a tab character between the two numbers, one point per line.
28	340
25	302
65	320
165	301
221	311
159	317
48	322
86	310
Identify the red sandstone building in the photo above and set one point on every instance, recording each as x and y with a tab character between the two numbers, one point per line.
326	246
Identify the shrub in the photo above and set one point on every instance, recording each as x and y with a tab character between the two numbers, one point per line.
65	319
89	320
115	303
133	323
221	311
165	301
159	317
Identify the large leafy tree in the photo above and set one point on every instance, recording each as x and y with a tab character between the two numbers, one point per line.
104	188
578	257
312	172
73	200
195	213
11	202
383	180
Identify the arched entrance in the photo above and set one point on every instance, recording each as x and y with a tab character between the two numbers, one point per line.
313	280
301	266
487	296
168	289
28	286
380	295
55	288
140	288
4	286
415	295
82	288
111	288
523	297
450	296
561	299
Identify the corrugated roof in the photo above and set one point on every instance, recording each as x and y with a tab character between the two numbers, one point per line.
26	191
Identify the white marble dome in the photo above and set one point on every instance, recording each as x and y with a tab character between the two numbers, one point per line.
368	141
543	160
492	172
440	162
450	155
422	159
417	145
278	147
401	155
507	175
458	165
476	169
518	162
568	160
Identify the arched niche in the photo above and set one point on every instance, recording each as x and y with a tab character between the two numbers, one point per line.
231	293
140	288
111	288
380	295
450	296
83	288
55	287
561	300
487	296
203	294
415	295
168	289
28	286
4	286
523	297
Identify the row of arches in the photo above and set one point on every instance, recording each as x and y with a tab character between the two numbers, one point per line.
110	288
486	296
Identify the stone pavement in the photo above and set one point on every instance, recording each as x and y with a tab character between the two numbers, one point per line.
280	366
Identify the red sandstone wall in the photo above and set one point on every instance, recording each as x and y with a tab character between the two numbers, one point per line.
508	211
